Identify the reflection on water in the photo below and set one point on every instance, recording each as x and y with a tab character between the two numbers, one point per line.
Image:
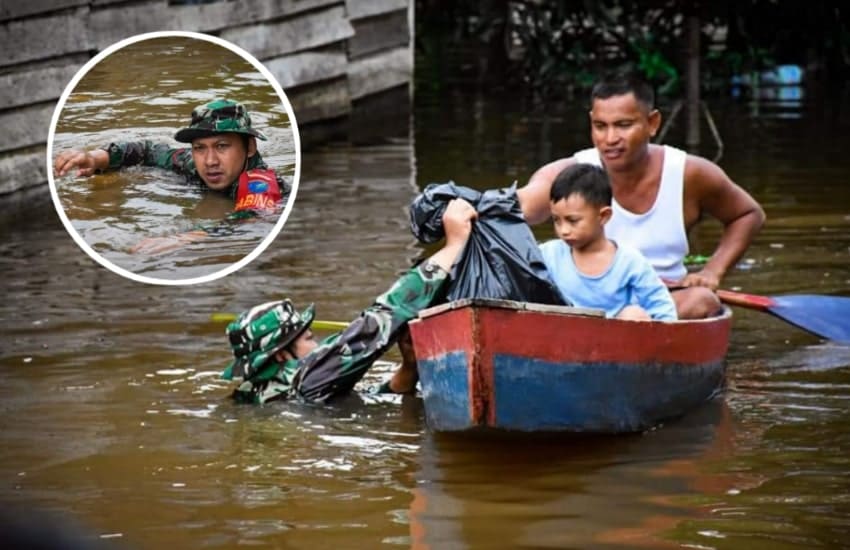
116	417
116	210
563	491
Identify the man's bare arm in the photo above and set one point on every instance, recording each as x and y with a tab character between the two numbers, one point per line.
717	195
534	196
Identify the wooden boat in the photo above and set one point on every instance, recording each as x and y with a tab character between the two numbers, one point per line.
529	367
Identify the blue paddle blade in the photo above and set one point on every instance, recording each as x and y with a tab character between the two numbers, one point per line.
825	316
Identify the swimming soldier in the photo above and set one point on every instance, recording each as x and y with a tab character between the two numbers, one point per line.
223	157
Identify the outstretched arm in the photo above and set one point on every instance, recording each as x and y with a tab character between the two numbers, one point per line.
534	196
130	153
85	162
341	360
457	223
709	190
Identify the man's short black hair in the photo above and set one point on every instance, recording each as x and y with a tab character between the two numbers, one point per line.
621	83
590	182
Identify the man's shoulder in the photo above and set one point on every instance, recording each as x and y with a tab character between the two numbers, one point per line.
699	172
587	156
693	163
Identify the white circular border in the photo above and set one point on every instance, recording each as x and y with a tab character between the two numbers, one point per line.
217	274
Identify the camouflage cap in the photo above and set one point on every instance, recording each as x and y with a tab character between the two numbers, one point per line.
216	117
257	334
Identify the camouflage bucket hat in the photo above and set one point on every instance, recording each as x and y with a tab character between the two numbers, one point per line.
219	116
257	334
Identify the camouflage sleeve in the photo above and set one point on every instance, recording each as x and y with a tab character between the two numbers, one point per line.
150	153
341	360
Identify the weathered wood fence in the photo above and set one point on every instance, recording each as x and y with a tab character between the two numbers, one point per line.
327	55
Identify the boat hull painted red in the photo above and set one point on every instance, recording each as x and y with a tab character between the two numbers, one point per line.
504	365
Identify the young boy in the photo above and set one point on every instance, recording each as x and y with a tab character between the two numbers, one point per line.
589	269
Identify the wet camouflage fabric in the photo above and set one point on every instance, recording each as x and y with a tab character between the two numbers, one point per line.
342	359
257	334
150	153
221	115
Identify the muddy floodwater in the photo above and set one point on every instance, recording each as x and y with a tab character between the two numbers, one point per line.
114	418
147	91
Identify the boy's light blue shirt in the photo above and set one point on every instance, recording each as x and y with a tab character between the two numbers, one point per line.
629	279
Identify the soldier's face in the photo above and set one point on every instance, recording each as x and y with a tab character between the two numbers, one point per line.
301	347
220	159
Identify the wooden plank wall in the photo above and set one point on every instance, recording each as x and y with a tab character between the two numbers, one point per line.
327	55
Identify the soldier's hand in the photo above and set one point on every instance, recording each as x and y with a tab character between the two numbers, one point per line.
86	162
457	220
457	223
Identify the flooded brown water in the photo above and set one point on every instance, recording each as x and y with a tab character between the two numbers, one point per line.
114	417
146	91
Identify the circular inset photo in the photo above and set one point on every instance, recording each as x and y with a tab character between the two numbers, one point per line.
173	158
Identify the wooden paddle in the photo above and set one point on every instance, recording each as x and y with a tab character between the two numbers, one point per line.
824	316
316	324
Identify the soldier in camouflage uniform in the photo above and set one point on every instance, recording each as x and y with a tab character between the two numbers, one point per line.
223	157
277	357
224	144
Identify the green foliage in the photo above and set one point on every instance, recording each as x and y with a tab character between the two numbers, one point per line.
558	46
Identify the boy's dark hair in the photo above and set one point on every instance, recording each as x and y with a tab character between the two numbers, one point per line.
621	83
588	181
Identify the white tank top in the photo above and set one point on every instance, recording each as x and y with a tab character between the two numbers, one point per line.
659	233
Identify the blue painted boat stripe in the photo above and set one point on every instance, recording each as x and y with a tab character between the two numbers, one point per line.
445	391
531	394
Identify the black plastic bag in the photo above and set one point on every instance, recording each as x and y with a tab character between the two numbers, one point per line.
501	260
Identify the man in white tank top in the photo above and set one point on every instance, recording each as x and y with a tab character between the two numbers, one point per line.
660	193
